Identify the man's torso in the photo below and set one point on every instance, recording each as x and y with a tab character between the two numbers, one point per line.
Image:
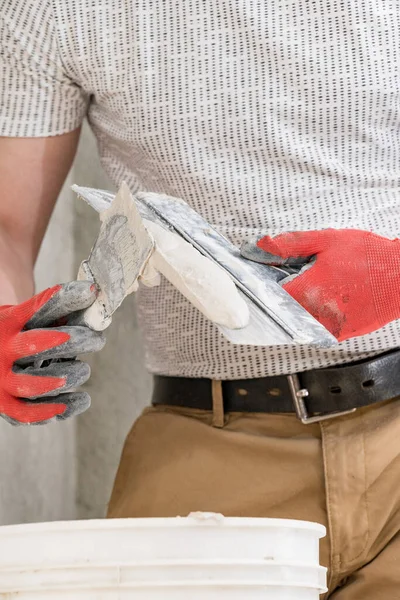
265	117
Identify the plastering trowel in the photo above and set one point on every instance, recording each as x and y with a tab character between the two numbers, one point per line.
124	247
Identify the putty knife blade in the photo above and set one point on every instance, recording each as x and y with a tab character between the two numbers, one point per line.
118	256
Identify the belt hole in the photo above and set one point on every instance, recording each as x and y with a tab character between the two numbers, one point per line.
335	389
242	392
274	392
368	384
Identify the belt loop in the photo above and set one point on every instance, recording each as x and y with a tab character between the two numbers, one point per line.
218	419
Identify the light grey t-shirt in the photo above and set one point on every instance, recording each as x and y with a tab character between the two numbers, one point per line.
264	116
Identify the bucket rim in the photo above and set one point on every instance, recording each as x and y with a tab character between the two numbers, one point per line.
165	523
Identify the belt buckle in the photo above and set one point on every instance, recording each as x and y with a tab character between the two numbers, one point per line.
298	395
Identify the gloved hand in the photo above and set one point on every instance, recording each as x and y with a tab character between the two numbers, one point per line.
35	388
351	283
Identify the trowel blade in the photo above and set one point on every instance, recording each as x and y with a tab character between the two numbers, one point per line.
121	251
259	283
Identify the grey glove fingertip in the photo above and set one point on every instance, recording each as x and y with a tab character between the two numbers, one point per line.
77	403
288	266
72	297
251	251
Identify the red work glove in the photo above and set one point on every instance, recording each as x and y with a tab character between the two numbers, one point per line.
38	372
352	284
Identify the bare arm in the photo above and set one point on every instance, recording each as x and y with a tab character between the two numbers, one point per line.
32	172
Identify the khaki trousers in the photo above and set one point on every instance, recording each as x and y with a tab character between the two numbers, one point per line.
343	473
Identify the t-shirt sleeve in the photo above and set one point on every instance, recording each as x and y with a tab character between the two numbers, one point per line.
37	97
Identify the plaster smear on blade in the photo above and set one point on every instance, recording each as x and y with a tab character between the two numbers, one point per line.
208	287
118	257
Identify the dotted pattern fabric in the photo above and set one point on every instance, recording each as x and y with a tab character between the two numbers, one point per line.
264	116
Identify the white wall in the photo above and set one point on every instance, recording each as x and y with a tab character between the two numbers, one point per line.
66	470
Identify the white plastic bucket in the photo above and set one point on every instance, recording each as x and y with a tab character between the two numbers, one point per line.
203	556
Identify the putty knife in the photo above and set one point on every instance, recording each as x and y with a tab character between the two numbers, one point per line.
276	318
121	251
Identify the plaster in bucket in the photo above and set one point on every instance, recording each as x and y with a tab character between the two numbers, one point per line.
203	556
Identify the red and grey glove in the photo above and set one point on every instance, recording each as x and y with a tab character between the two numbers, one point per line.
38	370
351	283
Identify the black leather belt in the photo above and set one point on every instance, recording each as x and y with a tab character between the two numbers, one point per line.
313	395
